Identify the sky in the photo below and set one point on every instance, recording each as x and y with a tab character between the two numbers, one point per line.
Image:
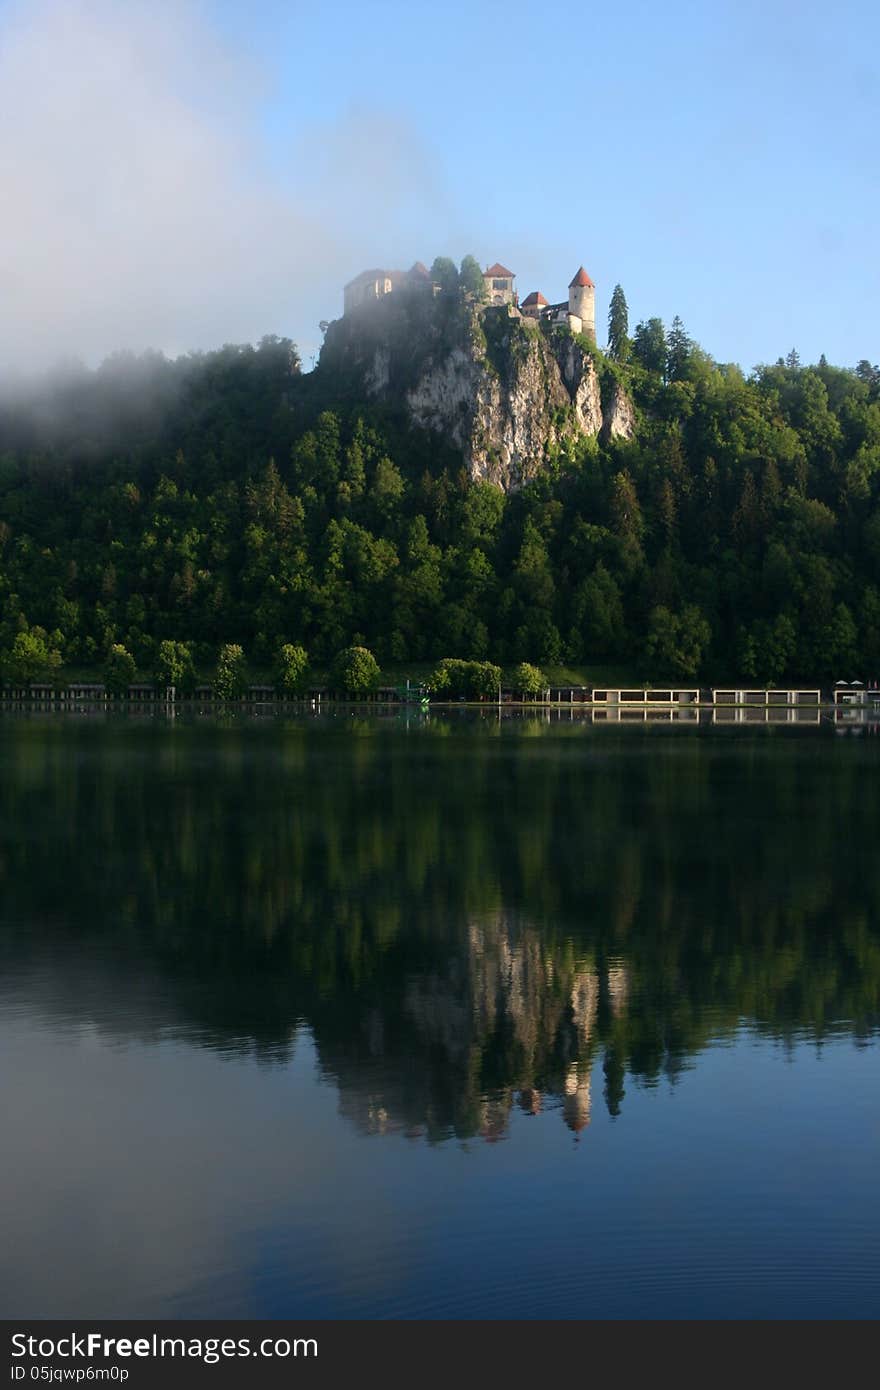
178	174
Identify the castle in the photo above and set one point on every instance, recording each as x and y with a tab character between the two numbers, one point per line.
578	312
371	285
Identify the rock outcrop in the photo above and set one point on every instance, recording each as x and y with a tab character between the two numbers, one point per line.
618	415
499	388
505	415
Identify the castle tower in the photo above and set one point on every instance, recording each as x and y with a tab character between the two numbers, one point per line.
582	303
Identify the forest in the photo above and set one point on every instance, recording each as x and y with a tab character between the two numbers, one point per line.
266	891
228	499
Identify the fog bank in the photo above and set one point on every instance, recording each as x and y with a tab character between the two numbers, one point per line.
141	207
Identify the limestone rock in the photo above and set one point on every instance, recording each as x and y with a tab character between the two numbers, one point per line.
493	384
582	381
377	376
504	421
619	416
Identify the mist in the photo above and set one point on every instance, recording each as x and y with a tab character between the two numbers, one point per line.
142	207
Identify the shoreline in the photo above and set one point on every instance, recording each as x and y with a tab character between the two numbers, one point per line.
600	702
700	716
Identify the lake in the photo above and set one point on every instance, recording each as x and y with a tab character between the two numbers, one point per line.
442	1016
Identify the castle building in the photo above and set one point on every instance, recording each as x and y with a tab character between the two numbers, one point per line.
499	284
534	305
578	311
371	285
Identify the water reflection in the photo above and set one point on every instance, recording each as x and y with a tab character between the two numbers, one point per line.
472	922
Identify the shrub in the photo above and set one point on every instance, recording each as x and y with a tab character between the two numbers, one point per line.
471	679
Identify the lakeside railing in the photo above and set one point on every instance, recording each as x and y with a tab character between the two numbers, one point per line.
603	699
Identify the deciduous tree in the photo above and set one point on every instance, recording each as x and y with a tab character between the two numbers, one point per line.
174	665
355	671
470	278
33	656
119	670
529	680
444	274
230	677
291	669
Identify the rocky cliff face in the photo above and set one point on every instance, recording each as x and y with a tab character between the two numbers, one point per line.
497	387
618	415
504	421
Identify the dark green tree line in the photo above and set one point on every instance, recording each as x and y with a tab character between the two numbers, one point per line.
172	508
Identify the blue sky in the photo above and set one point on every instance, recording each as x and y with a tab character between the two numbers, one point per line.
719	160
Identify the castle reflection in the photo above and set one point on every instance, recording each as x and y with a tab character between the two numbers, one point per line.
507	998
472	925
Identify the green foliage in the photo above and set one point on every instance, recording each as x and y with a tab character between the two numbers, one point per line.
678	351
619	345
33	657
291	669
444	274
677	641
470	278
686	937
170	508
528	680
230	676
486	679
453	678
649	346
174	665
869	374
119	670
355	670
767	650
599	629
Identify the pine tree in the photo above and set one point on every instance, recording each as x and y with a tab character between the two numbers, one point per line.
618	326
649	345
678	351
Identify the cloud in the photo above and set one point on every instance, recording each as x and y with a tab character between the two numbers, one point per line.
141	208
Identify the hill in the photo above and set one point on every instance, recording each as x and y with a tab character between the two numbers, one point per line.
468	487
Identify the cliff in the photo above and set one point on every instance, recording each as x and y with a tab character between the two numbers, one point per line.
504	390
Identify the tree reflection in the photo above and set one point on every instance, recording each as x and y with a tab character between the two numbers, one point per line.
468	924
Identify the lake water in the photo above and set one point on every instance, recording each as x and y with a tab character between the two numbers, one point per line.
444	1018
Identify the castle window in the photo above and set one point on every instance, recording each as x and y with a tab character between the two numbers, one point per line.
500	285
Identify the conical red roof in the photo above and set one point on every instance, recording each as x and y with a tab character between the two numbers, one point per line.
535	297
500	271
582	279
